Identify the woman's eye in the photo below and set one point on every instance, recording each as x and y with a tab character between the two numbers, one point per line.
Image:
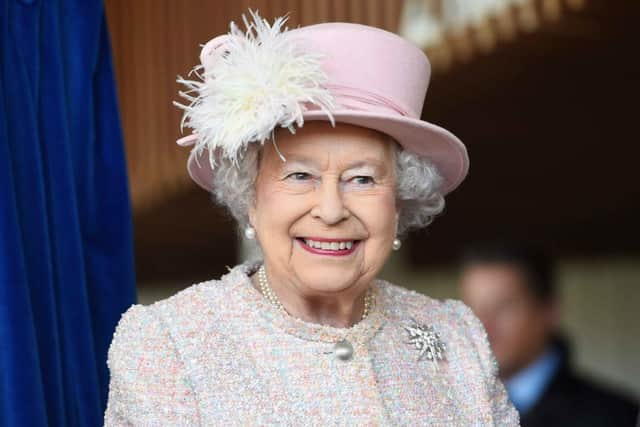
362	180
299	176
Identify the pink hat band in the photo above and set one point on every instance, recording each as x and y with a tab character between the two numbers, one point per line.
351	98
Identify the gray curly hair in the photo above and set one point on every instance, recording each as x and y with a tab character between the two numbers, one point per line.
418	187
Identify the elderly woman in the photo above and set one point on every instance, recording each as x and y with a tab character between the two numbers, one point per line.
312	139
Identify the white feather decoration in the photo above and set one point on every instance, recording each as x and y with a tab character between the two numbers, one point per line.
259	79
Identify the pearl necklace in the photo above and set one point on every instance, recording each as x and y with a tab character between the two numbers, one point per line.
273	299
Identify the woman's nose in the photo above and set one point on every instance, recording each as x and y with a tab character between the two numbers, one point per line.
329	206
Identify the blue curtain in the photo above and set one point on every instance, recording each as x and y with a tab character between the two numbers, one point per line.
66	259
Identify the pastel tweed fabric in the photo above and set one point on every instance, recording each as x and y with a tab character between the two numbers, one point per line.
218	353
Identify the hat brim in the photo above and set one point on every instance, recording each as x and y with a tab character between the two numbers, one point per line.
442	147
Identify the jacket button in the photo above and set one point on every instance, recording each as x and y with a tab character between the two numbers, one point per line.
343	350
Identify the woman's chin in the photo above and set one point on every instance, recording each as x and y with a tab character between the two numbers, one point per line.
332	279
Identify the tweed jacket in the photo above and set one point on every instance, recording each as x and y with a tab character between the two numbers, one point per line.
218	353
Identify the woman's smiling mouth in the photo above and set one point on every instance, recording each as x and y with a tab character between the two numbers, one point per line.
323	246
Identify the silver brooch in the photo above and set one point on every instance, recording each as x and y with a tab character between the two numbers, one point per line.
426	340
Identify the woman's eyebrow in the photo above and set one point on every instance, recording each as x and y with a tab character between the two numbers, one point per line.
293	161
378	166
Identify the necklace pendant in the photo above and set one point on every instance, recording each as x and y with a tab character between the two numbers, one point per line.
427	341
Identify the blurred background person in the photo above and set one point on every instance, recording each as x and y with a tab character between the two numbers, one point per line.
511	288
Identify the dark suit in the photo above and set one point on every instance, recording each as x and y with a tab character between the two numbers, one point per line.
570	400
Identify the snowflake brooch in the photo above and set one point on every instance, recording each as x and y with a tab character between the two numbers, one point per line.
426	340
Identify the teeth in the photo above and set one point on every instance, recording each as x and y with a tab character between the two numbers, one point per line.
329	246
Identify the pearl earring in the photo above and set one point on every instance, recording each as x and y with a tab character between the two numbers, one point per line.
397	244
249	232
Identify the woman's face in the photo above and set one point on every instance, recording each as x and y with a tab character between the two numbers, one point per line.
326	217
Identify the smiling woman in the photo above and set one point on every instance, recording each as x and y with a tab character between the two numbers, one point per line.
325	165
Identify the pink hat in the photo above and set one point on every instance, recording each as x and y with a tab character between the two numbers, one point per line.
374	79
